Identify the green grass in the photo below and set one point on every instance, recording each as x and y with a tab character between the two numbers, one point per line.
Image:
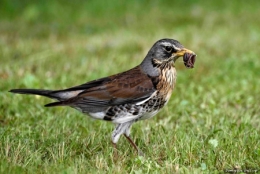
211	123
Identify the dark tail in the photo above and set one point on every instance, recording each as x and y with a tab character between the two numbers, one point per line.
57	95
46	93
55	104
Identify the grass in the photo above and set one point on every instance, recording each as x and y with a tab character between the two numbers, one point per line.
211	123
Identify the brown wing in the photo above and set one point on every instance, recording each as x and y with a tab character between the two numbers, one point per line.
127	87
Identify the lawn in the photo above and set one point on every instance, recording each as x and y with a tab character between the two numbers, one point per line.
210	125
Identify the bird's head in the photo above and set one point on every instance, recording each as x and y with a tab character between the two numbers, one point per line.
168	51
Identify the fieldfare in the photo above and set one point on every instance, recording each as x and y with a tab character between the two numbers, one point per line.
127	97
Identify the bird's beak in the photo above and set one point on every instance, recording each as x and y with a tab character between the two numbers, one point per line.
181	52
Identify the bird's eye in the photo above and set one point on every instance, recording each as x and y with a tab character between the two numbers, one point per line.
168	48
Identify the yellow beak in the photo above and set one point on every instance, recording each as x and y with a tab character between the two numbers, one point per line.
183	51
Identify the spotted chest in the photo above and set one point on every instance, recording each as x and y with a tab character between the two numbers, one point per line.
166	81
165	85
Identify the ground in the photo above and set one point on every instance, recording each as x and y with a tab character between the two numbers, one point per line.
211	123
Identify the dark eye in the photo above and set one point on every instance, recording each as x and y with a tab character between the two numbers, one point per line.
168	48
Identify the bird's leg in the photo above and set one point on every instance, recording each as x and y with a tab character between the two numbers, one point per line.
115	150
140	153
116	135
132	142
114	145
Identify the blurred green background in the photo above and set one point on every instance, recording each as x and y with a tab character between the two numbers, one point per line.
210	124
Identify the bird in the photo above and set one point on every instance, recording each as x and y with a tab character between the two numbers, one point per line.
126	97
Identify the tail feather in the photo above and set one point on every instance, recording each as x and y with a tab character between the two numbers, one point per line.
55	104
46	93
59	95
31	91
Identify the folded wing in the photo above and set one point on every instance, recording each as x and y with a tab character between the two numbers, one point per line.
131	86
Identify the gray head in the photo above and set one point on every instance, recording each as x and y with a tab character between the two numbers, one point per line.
163	51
